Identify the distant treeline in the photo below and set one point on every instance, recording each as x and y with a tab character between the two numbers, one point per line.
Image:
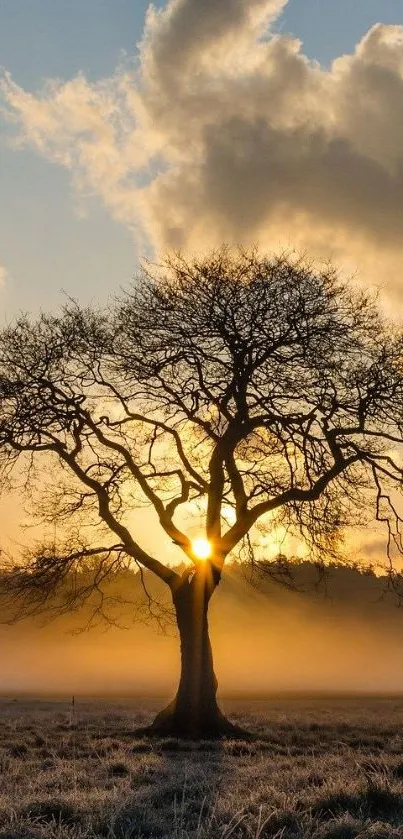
128	595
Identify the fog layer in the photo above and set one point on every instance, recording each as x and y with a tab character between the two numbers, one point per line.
265	640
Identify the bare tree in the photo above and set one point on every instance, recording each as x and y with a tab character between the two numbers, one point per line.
239	387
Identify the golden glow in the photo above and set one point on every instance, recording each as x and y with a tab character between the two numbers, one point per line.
201	548
278	540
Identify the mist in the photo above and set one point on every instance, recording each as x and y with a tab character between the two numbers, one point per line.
266	640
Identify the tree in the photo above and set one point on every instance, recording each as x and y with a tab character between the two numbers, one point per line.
246	388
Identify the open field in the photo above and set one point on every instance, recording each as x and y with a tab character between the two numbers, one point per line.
326	769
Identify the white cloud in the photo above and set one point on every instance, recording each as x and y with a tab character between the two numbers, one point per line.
228	132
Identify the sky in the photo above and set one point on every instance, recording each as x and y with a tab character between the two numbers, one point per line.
267	121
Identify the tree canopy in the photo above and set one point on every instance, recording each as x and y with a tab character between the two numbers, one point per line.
257	384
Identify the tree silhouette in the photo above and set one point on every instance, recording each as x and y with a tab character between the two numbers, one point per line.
240	387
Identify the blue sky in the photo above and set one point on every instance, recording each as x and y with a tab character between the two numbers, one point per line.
45	246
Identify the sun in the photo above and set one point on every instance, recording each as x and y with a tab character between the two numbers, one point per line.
201	548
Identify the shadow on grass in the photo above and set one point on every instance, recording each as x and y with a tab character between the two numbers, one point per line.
181	794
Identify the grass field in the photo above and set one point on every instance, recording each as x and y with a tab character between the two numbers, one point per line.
326	769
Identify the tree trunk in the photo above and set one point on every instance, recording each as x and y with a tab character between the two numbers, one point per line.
194	713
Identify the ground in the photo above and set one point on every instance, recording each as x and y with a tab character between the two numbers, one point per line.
323	769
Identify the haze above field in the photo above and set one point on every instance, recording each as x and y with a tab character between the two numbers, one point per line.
265	639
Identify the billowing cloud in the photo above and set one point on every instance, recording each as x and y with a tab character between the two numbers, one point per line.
226	131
